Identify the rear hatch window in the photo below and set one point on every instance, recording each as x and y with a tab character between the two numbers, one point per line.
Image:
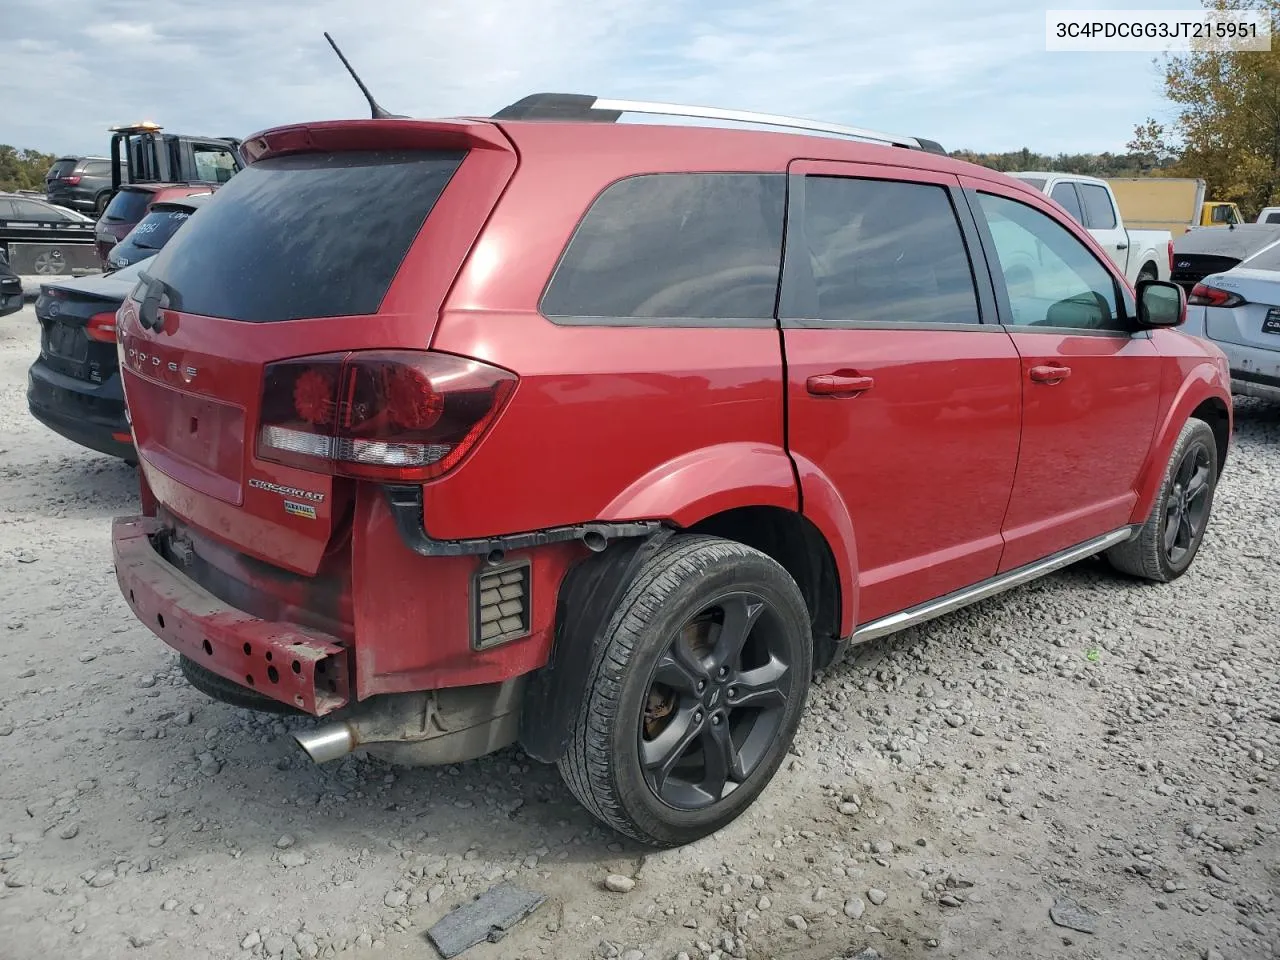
310	235
127	206
61	168
152	233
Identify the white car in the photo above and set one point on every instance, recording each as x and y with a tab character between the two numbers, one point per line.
1268	215
1141	254
1239	311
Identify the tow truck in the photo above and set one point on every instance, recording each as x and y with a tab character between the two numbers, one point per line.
148	164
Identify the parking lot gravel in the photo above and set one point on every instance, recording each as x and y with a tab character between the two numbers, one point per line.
1087	767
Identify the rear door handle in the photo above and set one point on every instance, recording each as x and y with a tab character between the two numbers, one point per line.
1050	373
1122	246
839	384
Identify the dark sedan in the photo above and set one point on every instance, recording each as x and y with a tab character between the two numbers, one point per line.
74	387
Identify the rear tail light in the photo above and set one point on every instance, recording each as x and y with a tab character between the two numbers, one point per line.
390	415
73	179
1203	295
1171	256
102	327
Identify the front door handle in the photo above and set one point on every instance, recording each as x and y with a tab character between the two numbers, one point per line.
1050	373
1122	246
839	384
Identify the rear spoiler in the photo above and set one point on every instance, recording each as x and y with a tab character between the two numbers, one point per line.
339	136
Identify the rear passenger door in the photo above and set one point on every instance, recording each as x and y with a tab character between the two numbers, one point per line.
897	389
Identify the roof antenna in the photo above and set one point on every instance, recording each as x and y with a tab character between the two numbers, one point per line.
374	106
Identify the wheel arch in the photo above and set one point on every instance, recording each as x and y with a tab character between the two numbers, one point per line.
1201	396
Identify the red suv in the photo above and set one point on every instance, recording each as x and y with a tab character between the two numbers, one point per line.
599	438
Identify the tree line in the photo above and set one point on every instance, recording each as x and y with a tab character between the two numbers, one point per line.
1087	164
23	169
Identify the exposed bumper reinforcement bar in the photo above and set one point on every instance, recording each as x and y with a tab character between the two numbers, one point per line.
305	670
406	507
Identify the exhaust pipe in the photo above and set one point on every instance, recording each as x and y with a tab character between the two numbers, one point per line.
327	743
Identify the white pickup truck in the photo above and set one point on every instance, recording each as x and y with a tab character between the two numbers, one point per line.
1141	254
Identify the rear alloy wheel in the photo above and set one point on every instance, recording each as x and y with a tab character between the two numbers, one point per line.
696	694
1169	540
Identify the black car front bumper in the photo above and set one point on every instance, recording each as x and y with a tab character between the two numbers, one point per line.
90	414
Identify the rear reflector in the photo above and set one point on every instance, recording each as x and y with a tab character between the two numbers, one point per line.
391	415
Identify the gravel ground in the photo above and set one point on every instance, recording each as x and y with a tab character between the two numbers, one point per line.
1086	750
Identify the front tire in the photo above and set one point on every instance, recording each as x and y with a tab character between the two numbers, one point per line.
695	695
1170	539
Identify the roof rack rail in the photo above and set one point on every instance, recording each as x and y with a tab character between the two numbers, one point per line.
581	106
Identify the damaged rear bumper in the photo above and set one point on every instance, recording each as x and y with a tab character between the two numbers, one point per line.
309	671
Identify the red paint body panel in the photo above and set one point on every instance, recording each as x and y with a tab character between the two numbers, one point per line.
911	483
936	438
412	615
1085	440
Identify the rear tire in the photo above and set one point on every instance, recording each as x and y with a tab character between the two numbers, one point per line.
1148	272
100	204
694	698
220	688
1170	539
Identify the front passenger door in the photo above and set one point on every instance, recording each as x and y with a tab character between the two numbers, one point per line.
1090	380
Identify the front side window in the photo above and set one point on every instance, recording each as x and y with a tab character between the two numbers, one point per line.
1052	278
675	246
884	251
1065	194
1099	212
28	210
213	164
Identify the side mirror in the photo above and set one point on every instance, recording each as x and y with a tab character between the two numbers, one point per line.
1161	304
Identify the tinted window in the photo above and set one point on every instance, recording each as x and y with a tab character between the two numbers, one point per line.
883	252
1273	218
1065	194
61	168
213	164
128	206
1052	278
704	245
152	233
1098	211
97	168
312	235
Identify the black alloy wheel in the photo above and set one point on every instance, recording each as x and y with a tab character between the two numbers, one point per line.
716	701
694	694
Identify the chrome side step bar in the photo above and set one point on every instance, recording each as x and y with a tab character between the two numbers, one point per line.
989	588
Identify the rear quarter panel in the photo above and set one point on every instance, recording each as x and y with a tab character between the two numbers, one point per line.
609	421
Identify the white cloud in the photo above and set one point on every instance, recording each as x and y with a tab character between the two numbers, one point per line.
973	74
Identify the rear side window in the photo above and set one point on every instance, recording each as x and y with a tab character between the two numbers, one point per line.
1273	218
97	168
675	246
311	235
882	251
127	206
157	227
1098	211
1065	194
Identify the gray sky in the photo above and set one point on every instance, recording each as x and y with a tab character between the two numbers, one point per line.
968	74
